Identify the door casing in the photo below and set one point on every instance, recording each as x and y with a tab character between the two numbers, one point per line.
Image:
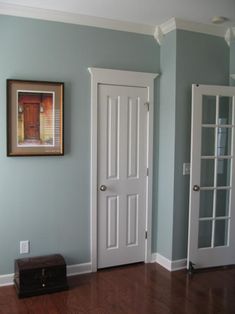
124	78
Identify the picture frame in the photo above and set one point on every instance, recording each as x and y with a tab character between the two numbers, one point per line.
35	112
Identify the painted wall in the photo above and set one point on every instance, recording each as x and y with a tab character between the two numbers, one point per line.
46	199
232	61
185	58
201	59
166	147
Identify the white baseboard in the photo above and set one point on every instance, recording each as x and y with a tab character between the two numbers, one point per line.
72	270
78	269
6	280
168	264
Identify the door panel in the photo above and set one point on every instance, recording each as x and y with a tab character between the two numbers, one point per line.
132	220
122	170
133	137
212	213
112	221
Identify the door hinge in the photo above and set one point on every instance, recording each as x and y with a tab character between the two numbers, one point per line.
147	172
147	105
146	234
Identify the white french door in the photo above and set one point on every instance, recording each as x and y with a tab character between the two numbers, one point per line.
212	198
122	174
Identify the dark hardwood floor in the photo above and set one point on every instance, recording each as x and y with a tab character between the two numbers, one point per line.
134	289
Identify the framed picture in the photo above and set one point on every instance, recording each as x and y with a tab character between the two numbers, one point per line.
34	118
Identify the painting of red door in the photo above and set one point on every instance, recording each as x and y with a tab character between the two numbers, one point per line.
35	118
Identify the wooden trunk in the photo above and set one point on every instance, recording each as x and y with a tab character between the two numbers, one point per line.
39	275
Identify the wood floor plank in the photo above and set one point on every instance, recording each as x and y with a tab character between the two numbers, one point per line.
133	289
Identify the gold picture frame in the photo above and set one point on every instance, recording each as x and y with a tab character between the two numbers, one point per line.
35	118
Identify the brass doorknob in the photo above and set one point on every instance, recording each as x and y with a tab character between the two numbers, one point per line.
103	188
196	188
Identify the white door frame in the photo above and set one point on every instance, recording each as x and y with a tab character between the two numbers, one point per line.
124	78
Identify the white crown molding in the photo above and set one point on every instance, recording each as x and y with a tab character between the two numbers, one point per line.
158	35
158	32
163	29
72	18
168	264
209	29
175	23
229	35
168	26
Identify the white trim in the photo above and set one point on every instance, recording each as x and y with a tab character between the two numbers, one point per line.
168	26
158	35
72	270
179	264
175	23
210	29
154	258
6	280
72	18
168	264
129	78
78	269
229	35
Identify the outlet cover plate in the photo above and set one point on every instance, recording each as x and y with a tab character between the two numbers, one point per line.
24	247
186	168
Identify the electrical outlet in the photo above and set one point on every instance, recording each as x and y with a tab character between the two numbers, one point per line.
24	247
186	168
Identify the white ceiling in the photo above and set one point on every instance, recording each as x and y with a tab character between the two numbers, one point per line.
149	12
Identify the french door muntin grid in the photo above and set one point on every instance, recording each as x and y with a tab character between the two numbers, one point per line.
217	157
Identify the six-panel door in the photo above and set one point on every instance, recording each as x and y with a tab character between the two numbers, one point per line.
122	173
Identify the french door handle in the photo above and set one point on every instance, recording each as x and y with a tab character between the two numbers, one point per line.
196	188
103	188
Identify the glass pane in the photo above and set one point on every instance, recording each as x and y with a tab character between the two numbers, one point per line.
204	233
224	141
222	203
225	110
207	172
221	232
206	204
208	142
208	109
223	172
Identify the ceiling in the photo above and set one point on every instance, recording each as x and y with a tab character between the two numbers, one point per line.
149	12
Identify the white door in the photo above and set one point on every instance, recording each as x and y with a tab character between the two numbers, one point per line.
212	198
122	173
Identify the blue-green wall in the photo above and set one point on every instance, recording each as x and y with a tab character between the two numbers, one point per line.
232	61
201	59
185	58
46	199
166	148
